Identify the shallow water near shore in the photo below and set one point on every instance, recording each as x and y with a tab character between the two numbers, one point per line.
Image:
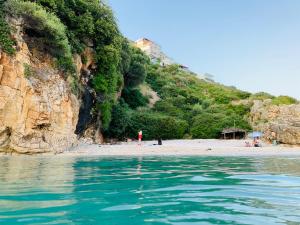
150	190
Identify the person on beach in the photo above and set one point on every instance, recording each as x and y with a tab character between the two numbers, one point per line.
274	139
247	144
140	136
256	142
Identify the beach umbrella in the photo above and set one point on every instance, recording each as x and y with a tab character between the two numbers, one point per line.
255	134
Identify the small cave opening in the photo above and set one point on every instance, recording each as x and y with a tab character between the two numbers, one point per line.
85	116
37	42
42	126
32	33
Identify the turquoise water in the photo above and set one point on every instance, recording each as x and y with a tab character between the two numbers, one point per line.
151	190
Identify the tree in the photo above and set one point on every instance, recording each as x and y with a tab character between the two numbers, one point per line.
136	73
120	122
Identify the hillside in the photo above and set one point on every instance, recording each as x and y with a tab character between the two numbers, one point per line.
66	71
188	107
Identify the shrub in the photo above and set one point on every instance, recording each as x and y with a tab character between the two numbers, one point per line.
155	125
47	26
284	100
120	121
210	125
100	84
134	70
105	109
6	43
28	72
261	96
134	98
166	107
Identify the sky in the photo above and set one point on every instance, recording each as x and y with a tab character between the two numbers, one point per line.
251	44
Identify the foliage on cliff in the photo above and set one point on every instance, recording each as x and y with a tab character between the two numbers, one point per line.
65	27
6	43
44	27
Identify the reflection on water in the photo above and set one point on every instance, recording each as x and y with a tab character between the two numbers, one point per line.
151	190
276	165
34	187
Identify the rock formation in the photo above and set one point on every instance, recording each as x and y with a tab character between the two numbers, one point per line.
283	121
38	112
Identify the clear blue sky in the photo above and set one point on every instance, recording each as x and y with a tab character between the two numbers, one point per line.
251	44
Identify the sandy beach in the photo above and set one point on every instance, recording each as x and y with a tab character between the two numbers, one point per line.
207	147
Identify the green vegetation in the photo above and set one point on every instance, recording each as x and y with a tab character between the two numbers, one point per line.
156	125
28	72
126	122
64	27
47	27
280	100
284	100
261	96
188	106
6	43
134	68
205	106
134	98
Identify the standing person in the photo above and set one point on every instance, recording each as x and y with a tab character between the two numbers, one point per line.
274	139
140	136
256	142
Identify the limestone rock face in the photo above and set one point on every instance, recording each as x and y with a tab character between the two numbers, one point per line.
283	120
38	112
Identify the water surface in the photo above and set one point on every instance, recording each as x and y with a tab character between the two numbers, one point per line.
151	190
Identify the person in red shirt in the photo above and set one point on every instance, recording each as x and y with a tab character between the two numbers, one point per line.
140	136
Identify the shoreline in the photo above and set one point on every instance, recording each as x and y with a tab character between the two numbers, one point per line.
176	148
199	147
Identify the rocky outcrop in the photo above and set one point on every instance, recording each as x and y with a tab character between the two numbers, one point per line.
38	112
283	121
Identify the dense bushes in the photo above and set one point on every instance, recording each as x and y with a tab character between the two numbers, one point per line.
189	107
210	125
171	81
205	106
127	122
155	125
206	125
6	43
120	122
136	69
261	96
134	98
284	100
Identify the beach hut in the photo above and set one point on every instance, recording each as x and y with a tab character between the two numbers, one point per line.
233	133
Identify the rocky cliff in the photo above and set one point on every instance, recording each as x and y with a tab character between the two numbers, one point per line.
283	121
38	112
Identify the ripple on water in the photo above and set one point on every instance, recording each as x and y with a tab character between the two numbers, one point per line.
151	190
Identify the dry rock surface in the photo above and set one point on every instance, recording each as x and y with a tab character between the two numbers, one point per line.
38	112
283	121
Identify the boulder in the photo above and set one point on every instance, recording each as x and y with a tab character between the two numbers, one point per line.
282	121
